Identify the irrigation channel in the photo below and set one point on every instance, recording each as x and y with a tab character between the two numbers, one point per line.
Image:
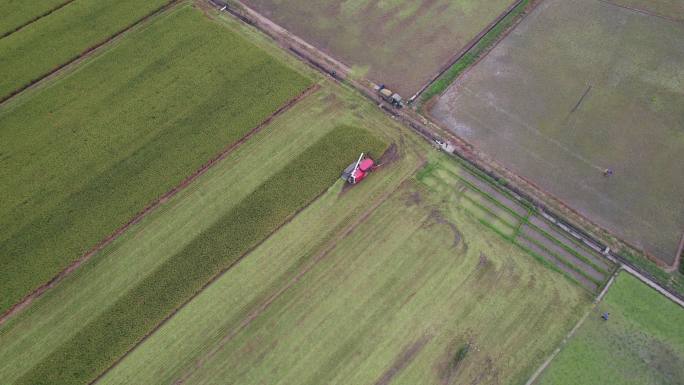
543	232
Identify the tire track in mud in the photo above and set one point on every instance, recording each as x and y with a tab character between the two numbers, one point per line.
26	24
37	293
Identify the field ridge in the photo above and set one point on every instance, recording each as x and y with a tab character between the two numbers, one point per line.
27	300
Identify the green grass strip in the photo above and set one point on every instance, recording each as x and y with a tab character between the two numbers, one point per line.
85	154
39	48
470	57
95	347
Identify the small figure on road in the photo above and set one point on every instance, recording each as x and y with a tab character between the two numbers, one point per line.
605	316
608	172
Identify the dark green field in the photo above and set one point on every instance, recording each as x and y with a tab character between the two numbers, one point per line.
82	156
40	47
16	13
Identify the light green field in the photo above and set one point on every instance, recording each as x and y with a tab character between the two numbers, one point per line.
34	51
15	13
401	43
83	155
392	301
641	343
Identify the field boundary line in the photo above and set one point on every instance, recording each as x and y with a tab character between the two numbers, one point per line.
88	52
259	309
653	284
572	332
37	293
463	51
558	349
46	13
641	11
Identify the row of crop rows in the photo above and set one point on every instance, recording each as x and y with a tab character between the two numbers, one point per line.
521	225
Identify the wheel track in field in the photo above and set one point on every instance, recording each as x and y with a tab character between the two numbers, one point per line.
38	292
47	13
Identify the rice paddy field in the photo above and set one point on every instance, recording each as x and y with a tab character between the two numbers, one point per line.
51	41
85	153
402	44
264	267
641	343
45	344
607	95
17	13
413	292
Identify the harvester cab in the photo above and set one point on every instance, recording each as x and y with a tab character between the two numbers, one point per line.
358	170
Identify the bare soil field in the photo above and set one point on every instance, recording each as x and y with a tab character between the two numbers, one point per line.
399	43
673	9
579	87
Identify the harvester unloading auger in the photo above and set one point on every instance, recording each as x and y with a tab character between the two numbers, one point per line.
357	171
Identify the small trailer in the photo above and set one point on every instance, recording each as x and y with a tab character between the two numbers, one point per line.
390	97
357	171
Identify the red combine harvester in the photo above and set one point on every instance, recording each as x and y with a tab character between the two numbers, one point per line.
356	172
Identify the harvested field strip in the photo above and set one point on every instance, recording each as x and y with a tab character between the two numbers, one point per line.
574	253
352	316
562	254
48	44
570	245
551	260
487	218
101	342
493	207
471	56
109	139
16	14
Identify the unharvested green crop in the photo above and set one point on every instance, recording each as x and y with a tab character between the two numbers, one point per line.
84	155
119	328
34	51
16	13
